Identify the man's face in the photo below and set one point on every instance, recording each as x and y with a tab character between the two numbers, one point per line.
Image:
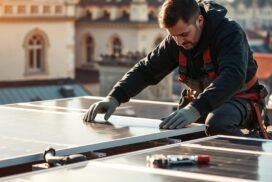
187	35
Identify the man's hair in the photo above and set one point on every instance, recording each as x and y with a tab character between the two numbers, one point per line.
174	10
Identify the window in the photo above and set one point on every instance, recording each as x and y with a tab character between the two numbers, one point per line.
89	14
35	53
34	9
8	9
116	47
46	10
21	9
89	49
151	14
58	9
106	14
125	13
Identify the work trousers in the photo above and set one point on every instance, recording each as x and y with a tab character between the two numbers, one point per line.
230	118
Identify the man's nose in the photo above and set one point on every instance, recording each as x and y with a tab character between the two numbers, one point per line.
179	40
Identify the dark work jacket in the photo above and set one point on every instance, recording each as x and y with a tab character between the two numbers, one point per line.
230	53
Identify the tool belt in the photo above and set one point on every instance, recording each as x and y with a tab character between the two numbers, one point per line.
256	100
187	96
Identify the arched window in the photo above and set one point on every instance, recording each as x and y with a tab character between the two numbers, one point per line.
35	54
106	14
89	49
89	14
36	44
125	13
116	47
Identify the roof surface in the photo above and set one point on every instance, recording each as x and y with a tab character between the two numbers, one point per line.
116	2
247	3
45	92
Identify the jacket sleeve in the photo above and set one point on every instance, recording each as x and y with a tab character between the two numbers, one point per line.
148	71
232	58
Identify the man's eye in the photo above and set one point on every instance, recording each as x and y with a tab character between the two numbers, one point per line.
184	34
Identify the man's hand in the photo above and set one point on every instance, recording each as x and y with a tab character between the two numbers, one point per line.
181	118
107	106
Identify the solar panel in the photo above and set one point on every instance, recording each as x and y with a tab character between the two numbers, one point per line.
231	159
27	129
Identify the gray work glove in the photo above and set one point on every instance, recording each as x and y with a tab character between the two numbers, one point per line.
181	118
107	106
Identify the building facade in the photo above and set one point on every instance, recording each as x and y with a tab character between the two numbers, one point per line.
115	28
37	39
119	33
250	14
125	26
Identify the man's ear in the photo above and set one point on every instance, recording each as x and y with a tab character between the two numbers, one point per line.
200	20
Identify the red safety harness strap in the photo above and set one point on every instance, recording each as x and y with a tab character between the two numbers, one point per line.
208	67
263	130
190	95
182	67
251	82
254	98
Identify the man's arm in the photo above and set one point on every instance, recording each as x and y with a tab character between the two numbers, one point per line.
150	70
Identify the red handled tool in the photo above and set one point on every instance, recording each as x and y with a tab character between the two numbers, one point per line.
163	161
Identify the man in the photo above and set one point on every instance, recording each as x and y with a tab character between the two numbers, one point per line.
214	61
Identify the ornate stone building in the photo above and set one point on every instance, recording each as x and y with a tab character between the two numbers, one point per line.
115	27
112	35
124	26
37	39
251	14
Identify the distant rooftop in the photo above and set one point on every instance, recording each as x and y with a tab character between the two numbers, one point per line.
122	19
262	46
250	3
116	2
234	3
16	94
